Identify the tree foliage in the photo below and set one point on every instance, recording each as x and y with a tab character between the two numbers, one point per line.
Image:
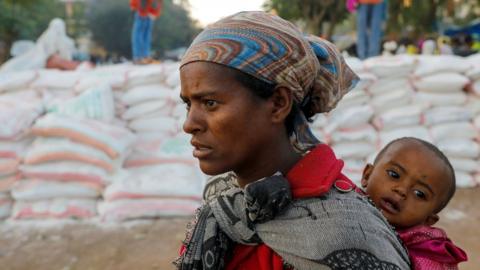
110	22
319	16
420	16
26	19
426	16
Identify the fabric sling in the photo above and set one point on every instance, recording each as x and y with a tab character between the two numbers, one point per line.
266	212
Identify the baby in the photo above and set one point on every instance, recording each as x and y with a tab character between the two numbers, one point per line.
411	181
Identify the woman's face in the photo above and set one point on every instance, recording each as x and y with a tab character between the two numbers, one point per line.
230	126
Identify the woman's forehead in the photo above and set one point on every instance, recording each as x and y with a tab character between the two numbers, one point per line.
207	70
200	77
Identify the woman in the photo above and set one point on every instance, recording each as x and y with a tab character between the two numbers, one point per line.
250	82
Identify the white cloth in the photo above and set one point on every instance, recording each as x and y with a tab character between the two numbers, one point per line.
53	41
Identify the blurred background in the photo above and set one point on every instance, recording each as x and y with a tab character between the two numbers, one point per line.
101	28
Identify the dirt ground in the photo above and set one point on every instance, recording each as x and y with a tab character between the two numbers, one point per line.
152	245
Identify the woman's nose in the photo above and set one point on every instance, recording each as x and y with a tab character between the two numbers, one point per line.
192	123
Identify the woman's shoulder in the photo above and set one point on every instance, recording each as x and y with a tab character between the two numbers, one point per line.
218	184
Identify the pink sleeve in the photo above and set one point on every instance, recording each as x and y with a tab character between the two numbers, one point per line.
351	5
422	263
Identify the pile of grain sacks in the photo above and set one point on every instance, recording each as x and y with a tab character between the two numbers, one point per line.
108	143
428	97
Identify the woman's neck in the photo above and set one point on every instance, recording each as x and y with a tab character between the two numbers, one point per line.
282	159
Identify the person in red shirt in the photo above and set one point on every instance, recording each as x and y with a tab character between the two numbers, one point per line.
277	198
146	11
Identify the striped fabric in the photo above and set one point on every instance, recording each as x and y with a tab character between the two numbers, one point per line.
276	51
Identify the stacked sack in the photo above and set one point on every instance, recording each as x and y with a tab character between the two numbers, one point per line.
160	190
56	85
396	113
76	153
18	110
348	127
149	103
161	177
439	82
113	76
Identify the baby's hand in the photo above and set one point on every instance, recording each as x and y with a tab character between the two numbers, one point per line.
266	198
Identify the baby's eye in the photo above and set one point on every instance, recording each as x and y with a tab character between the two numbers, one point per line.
393	174
420	194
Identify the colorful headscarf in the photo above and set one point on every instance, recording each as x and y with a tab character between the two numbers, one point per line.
276	51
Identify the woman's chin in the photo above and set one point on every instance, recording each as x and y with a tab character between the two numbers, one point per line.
211	169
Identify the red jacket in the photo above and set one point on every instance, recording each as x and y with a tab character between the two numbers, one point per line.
152	7
312	176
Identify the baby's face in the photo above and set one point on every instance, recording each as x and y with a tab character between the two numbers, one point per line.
407	184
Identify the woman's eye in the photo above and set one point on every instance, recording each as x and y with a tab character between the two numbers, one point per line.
187	105
393	174
420	194
210	103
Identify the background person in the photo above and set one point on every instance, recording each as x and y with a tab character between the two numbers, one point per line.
370	17
146	11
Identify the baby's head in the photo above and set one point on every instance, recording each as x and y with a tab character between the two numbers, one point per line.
410	180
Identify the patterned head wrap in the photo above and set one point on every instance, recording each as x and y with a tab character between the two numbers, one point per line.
275	51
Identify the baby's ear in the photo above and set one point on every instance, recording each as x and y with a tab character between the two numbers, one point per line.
366	174
432	219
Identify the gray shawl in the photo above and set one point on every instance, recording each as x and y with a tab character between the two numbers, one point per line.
340	230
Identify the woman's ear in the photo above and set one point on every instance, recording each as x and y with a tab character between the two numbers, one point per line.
432	219
282	101
367	171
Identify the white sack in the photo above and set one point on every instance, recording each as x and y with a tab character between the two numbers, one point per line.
441	99
59	149
364	134
459	148
16	80
455	130
96	103
465	165
157	106
32	190
68	171
172	180
53	79
409	115
390	66
349	118
122	210
420	132
353	150
444	114
56	208
464	180
144	75
440	63
113	140
160	123
389	85
144	93
441	83
389	100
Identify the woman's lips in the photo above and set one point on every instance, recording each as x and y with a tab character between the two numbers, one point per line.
389	206
200	150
